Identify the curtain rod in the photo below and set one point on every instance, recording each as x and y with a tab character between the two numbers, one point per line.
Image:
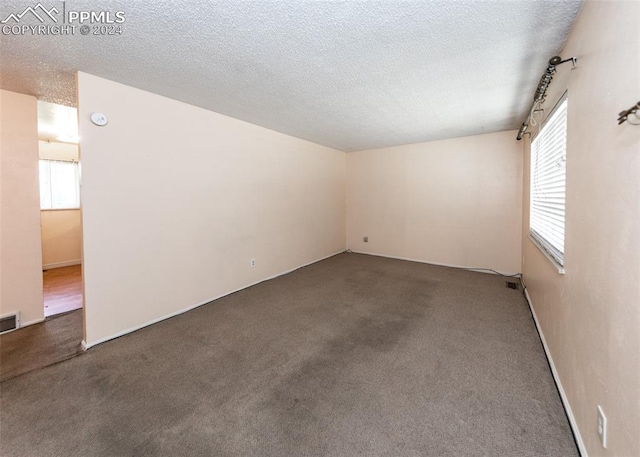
541	91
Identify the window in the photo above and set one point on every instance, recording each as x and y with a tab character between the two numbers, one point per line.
548	183
59	185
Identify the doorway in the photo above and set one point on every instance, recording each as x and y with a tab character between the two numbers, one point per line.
60	214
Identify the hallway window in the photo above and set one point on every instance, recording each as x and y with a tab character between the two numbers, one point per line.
548	183
59	185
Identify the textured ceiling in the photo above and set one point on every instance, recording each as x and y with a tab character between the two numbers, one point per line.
351	75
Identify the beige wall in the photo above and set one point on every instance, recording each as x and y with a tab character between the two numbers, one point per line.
61	238
176	200
54	150
20	255
590	317
455	202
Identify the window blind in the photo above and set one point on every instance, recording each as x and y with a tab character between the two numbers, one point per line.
548	184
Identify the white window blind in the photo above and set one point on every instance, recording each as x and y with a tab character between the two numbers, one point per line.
548	184
59	185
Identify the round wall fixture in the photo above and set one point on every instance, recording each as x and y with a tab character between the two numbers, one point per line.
99	119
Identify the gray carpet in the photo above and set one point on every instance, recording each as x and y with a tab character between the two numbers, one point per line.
37	346
352	356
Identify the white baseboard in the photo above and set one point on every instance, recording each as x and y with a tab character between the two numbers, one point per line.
86	345
554	372
68	263
28	323
477	269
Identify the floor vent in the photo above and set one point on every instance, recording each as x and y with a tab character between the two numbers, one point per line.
512	285
8	323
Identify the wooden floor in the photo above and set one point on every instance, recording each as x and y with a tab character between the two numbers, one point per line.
62	290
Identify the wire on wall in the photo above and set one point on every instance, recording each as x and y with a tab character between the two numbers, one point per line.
541	92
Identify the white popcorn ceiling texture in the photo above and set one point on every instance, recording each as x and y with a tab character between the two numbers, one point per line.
351	75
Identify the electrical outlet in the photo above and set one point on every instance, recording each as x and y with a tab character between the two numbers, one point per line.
602	427
253	262
365	239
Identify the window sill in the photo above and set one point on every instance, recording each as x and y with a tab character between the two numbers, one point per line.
553	261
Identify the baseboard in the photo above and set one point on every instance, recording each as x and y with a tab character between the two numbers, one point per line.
69	263
28	323
554	372
477	269
86	345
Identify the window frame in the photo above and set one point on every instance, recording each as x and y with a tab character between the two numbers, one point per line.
555	256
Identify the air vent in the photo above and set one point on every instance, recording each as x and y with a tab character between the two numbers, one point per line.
8	323
512	285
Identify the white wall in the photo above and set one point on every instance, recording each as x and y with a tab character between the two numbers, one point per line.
590	317
176	200
455	202
20	255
